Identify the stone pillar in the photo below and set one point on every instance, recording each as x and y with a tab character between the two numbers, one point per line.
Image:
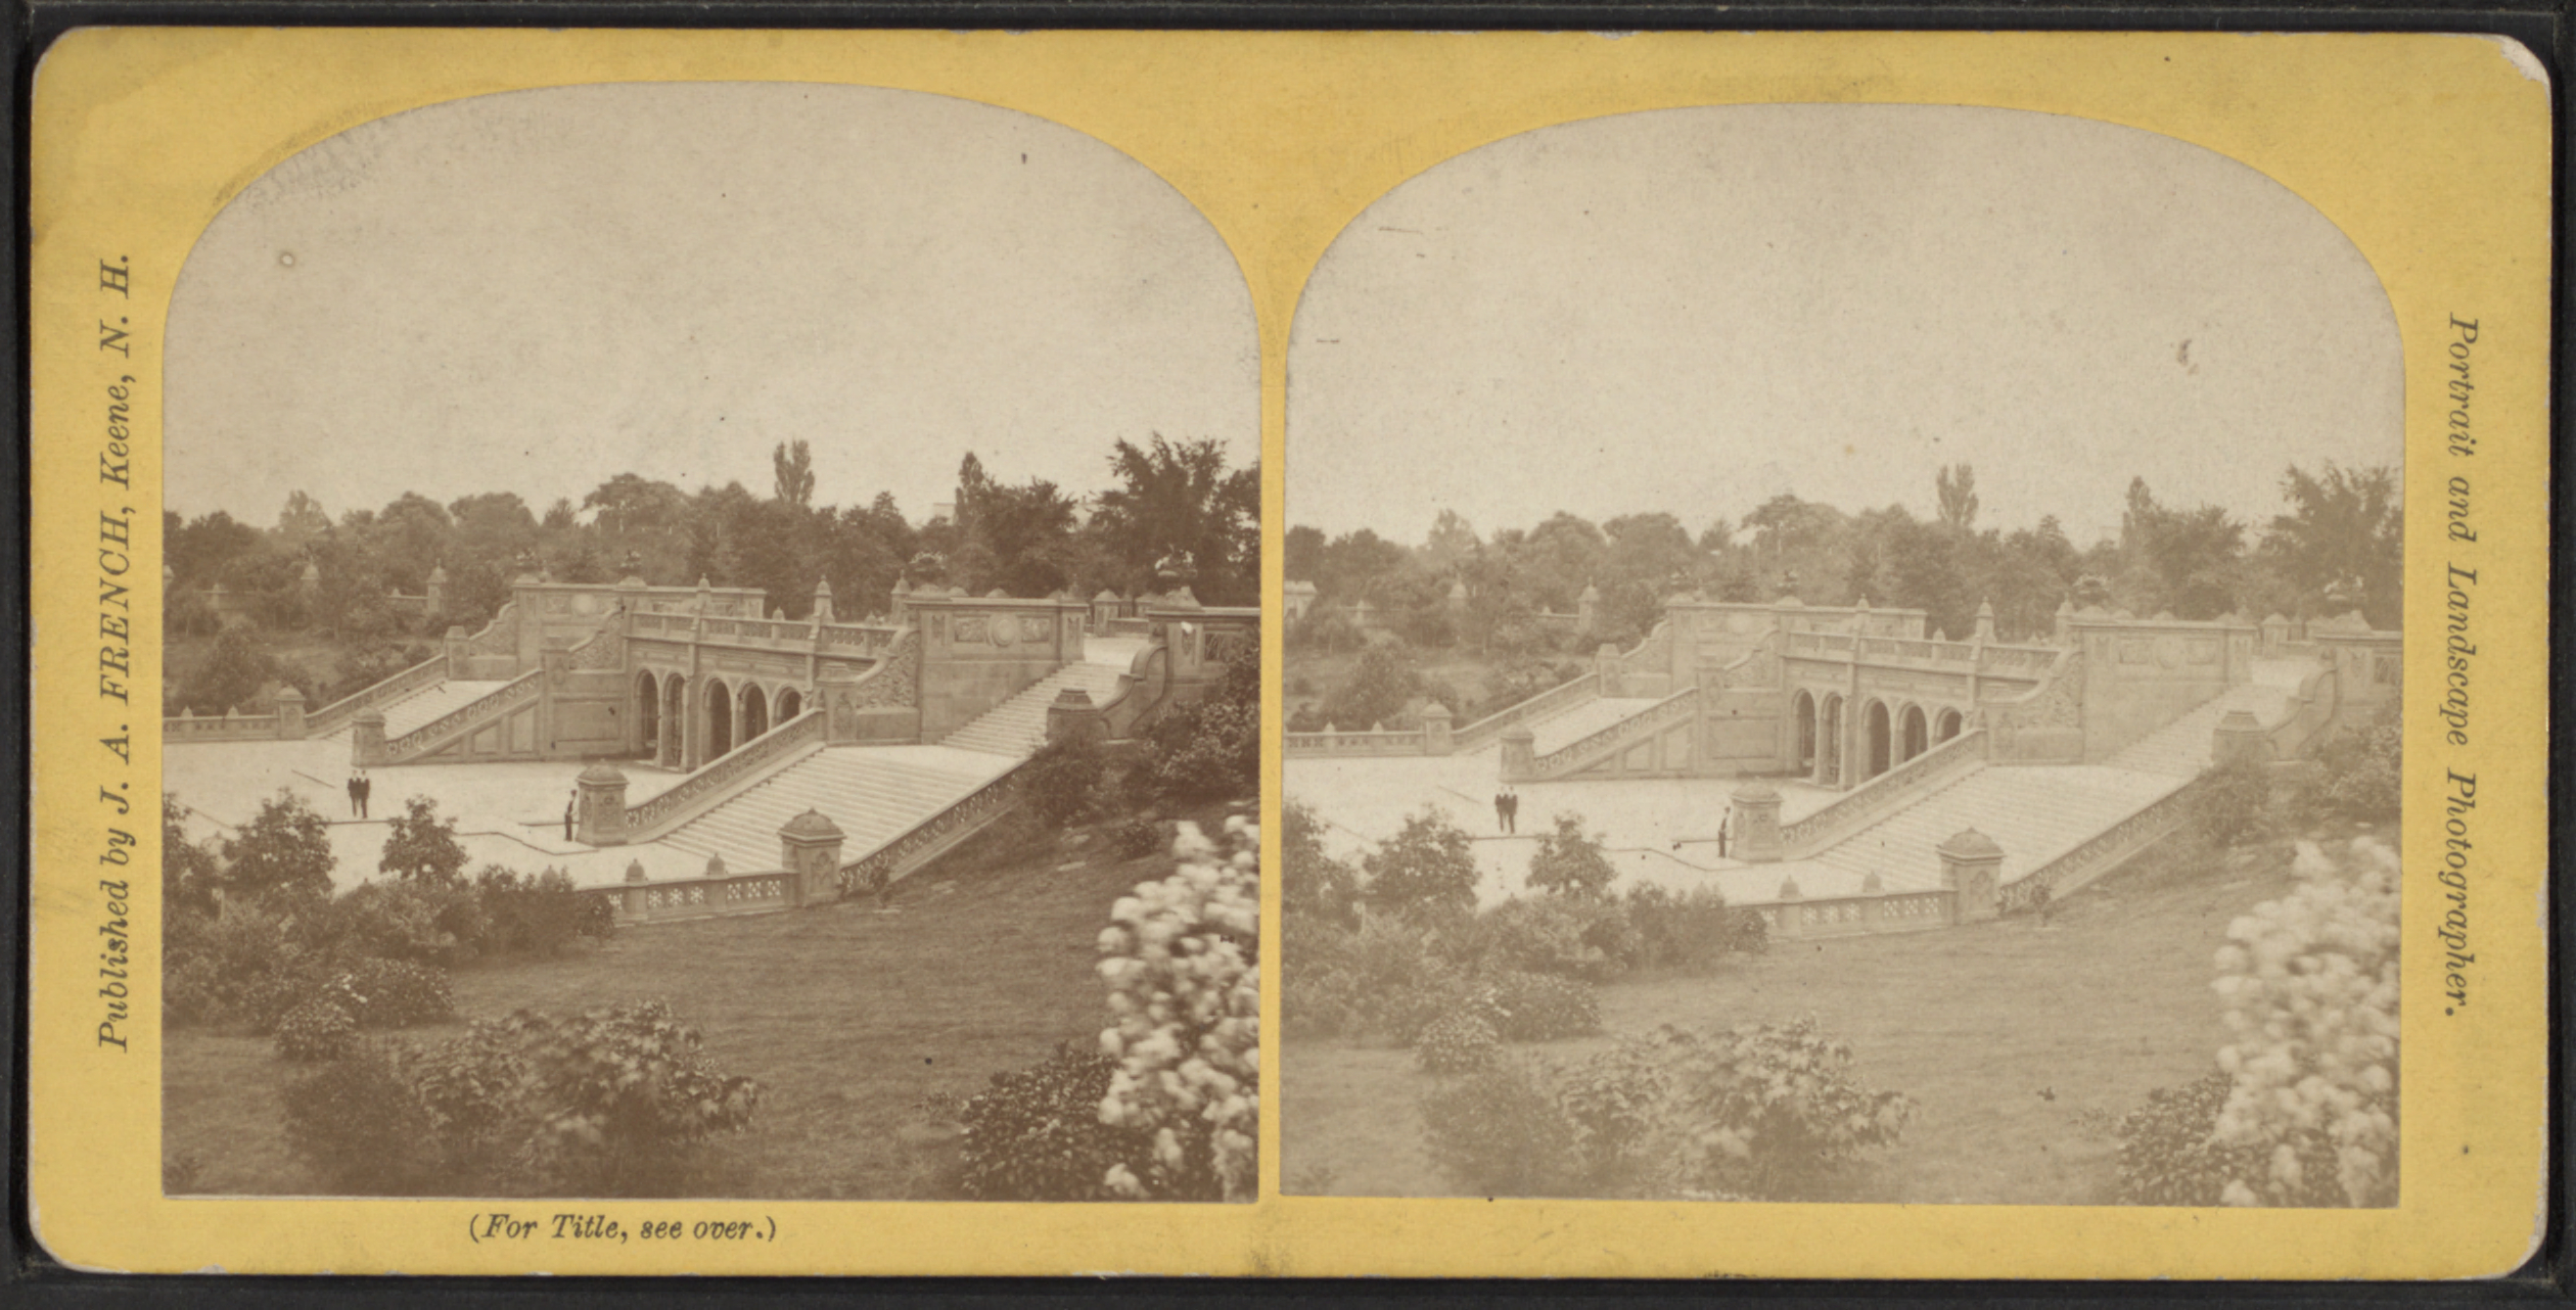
290	714
1587	610
823	601
831	691
1755	830
1072	717
634	894
1436	738
809	847
602	821
1520	754
1793	909
1872	891
460	656
2240	736
367	739
1971	867
1985	620
1605	665
437	589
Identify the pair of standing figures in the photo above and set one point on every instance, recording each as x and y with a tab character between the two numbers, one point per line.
360	788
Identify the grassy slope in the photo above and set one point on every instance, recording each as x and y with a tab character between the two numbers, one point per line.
2107	1002
866	1029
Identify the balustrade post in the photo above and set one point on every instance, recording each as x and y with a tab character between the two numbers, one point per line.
634	894
1971	864
367	739
2239	736
1436	738
1872	891
602	821
290	714
809	848
1755	830
1793	910
1520	754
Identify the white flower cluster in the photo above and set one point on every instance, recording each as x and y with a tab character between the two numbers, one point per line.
2310	986
1186	1001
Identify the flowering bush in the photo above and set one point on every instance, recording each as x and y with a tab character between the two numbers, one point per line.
2311	989
316	1030
1503	1131
1181	960
1530	1007
1035	1134
1771	1109
1461	1041
392	994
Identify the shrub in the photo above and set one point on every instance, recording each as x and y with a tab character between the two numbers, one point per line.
242	968
1181	958
1036	1134
2228	801
2357	774
620	1093
422	848
1502	1132
1313	885
1460	1041
542	916
394	994
1212	748
1059	779
1691	931
2310	986
1136	836
1427	866
317	1030
1569	861
2166	1157
1613	1103
357	1122
1571	938
1539	1008
1770	1111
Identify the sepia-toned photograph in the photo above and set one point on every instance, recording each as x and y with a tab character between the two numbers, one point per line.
712	650
1843	653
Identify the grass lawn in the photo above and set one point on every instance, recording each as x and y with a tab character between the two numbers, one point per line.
2021	1042
867	1030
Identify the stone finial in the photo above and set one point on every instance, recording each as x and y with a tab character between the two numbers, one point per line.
1872	885
1985	620
1789	889
716	865
635	871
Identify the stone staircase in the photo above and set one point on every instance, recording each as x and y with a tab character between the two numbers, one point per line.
428	704
2181	748
1557	731
874	793
2035	812
1017	727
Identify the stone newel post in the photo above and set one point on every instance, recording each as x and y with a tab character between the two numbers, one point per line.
602	820
459	653
1435	730
2240	736
1756	830
1520	755
832	691
1793	909
810	848
1971	866
634	894
290	714
1072	717
367	739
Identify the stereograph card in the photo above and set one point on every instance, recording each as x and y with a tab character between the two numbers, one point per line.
1861	655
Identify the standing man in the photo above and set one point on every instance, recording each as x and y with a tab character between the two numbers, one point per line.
569	803
1502	812
1511	811
366	791
354	808
1722	821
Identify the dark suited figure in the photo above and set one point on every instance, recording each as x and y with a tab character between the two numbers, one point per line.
355	810
366	792
1722	823
569	803
1502	813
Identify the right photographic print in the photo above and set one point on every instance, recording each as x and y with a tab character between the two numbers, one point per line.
1843	653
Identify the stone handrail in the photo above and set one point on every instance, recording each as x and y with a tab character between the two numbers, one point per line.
336	715
2313	712
1985	656
728	775
1127	627
2022	659
186	727
1562	696
866	636
1654	718
498	637
1848	916
1337	742
1141	691
1875	799
2102	852
465	718
703	898
924	841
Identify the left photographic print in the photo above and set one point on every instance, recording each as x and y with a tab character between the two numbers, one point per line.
712	650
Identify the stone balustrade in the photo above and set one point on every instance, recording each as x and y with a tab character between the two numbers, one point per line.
464	718
1563	696
1681	705
1884	794
735	770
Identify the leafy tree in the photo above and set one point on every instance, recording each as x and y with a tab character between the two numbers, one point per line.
1178	517
792	472
1427	866
2342	543
422	848
1956	485
1313	886
232	677
190	876
285	848
1383	682
1569	861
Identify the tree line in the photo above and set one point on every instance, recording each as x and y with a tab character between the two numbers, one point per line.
2335	547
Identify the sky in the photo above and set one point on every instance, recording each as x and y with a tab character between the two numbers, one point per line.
1695	310
535	291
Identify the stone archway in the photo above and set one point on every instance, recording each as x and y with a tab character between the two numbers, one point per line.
754	718
647	717
1915	734
675	722
1946	726
1829	743
719	702
1877	740
790	704
1802	712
